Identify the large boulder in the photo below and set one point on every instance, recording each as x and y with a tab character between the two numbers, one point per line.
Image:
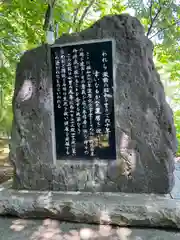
145	133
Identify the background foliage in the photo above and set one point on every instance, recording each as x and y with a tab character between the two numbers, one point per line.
22	28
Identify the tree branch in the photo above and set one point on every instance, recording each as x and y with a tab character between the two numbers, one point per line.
84	14
164	29
153	19
48	14
75	14
150	10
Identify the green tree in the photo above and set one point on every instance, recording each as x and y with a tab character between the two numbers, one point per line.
22	24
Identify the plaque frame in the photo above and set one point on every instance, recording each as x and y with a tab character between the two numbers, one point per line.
68	161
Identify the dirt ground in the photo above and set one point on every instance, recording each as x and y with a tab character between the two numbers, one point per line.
51	229
6	170
4	152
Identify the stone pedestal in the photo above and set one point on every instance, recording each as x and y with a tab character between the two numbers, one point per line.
115	209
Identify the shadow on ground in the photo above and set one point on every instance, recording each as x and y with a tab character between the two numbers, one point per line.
6	170
13	229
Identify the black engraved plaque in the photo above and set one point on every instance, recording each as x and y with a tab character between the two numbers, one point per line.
82	77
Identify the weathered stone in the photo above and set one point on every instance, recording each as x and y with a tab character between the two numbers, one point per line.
145	133
138	210
13	229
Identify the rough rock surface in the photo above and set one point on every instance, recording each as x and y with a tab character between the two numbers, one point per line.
120	209
145	133
13	229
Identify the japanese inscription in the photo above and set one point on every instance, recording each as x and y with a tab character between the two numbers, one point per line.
84	119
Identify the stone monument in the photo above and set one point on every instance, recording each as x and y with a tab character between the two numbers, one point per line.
122	138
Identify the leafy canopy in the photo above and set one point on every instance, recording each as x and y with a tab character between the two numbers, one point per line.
22	28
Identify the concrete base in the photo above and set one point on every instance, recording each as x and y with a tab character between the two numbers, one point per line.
138	210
